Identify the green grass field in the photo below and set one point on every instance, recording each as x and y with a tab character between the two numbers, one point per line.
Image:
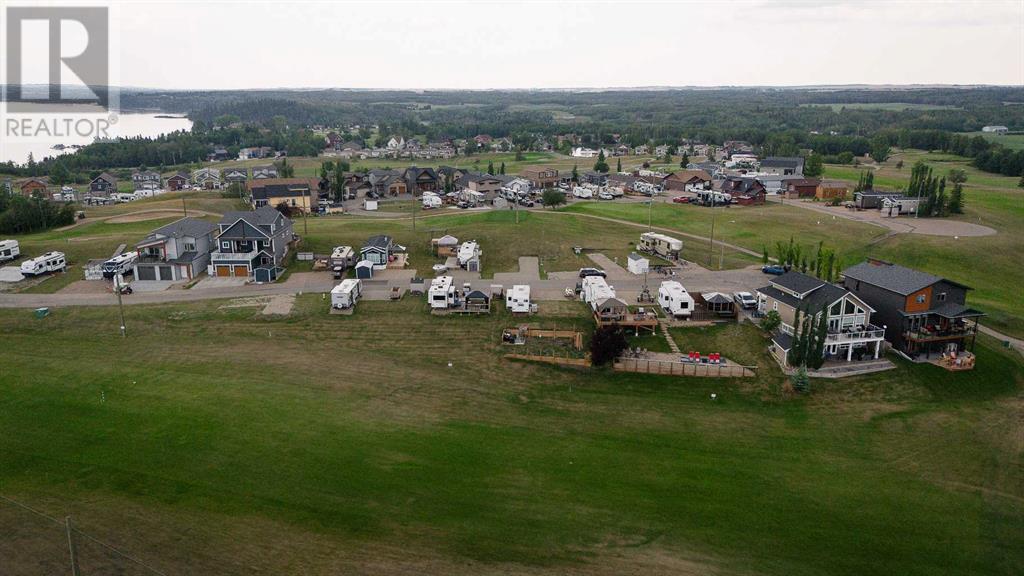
888	106
1011	141
218	441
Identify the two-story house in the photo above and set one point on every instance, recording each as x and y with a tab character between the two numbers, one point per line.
103	185
33	187
264	171
178	181
924	315
540	177
850	333
207	179
420	180
177	251
146	180
252	244
782	165
745	190
235	175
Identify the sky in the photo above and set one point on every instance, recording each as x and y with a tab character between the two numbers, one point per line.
488	44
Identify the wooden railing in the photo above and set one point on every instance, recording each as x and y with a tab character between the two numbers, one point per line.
668	368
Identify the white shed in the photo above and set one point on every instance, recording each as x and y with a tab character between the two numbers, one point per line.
637	264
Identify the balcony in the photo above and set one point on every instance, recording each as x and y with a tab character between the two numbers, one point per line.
151	258
856	334
937	333
233	256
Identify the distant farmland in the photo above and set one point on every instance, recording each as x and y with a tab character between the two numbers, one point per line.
892	106
1011	141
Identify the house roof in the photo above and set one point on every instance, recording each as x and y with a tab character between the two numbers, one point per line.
262	216
798	282
186	227
782	340
688	175
782	162
954	310
105	176
381	241
893	277
804	182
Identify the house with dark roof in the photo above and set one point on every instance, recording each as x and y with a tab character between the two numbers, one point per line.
687	180
802	188
745	190
924	315
177	251
485	184
420	180
297	193
387	182
252	244
782	165
379	250
33	187
103	185
178	181
235	175
850	333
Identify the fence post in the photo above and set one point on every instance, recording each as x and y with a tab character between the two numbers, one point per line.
71	547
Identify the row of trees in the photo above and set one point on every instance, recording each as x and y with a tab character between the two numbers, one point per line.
20	215
823	263
931	189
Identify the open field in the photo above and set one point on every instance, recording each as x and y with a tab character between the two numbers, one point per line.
888	106
216	441
1011	141
991	264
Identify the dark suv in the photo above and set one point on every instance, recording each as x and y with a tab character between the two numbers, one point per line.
584	272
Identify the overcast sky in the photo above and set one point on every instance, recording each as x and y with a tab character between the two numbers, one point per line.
482	44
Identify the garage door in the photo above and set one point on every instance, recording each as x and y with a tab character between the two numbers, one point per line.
146	273
241	271
166	273
223	270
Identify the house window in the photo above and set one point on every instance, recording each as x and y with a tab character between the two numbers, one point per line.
225	245
941	297
919	298
190	246
775	305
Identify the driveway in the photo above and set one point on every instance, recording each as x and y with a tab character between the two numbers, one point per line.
11	274
211	282
611	268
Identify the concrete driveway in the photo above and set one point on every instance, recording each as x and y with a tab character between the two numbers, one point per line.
211	282
11	274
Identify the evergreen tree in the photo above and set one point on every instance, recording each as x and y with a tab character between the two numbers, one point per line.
684	160
338	184
501	170
813	166
618	164
575	174
817	350
490	168
796	357
601	165
956	200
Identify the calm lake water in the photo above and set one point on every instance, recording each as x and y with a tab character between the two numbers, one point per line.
128	125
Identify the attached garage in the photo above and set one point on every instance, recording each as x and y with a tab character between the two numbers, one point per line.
145	273
166	273
223	270
241	271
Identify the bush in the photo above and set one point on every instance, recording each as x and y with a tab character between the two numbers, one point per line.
801	382
771	321
607	344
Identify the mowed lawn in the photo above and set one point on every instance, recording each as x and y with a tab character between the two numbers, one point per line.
217	441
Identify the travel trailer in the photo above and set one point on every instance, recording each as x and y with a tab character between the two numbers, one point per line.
441	293
675	300
120	264
517	299
124	196
581	192
469	256
342	258
346	294
49	262
9	250
596	289
893	207
712	197
660	244
431	201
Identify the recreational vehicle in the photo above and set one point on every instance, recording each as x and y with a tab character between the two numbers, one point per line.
713	198
893	207
581	192
441	293
346	294
49	262
517	299
660	244
674	299
469	256
9	250
120	264
596	289
124	196
431	201
342	258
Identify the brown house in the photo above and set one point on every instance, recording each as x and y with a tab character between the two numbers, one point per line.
297	193
178	181
828	190
745	191
33	186
540	177
686	180
803	188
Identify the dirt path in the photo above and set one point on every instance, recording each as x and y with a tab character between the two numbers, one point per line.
137	216
1015	343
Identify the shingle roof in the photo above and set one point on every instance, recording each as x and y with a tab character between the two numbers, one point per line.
954	310
798	282
892	277
379	241
192	227
262	216
781	162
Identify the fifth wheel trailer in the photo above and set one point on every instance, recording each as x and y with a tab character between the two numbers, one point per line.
660	244
49	262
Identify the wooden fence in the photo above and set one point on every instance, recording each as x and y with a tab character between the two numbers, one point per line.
560	360
665	367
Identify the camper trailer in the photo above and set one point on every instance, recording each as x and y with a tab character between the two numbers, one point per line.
342	258
713	198
441	293
675	300
431	201
346	294
49	262
660	244
469	256
9	250
120	264
124	196
595	289
517	299
581	192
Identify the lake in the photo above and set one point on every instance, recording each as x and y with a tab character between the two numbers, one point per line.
129	125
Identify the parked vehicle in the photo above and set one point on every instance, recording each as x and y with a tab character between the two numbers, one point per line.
745	300
9	250
605	196
346	294
463	205
431	201
585	272
773	269
526	202
675	300
49	262
120	264
681	200
581	192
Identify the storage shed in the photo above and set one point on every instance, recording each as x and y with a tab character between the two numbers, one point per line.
364	270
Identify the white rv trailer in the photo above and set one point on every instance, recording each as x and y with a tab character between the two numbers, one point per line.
124	196
675	300
49	262
581	192
441	293
9	250
468	251
346	294
661	245
893	207
517	300
120	264
596	289
431	201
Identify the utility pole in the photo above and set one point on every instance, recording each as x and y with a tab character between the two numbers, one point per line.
414	210
650	212
75	571
120	305
711	246
305	224
184	207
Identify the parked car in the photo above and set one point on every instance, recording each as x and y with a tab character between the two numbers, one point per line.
605	196
773	269
526	202
463	204
745	300
681	200
584	272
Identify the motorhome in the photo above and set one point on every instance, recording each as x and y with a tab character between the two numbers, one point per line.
581	192
517	299
675	300
441	293
49	262
9	250
120	264
431	201
346	294
660	244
